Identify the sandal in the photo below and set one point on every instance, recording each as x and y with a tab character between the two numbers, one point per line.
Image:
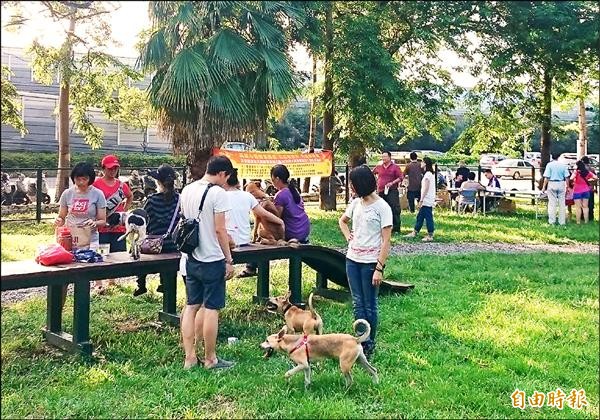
221	364
427	239
246	273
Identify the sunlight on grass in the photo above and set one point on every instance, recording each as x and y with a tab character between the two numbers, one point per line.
95	376
509	320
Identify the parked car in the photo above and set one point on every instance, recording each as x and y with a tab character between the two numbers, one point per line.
236	145
568	159
515	168
431	153
489	160
533	157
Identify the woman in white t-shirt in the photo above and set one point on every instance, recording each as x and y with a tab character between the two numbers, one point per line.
368	247
426	203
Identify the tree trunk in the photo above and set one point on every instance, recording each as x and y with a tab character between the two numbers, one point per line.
327	190
313	123
546	139
260	138
356	156
64	151
582	143
197	162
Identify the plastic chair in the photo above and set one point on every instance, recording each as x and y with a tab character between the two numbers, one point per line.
467	198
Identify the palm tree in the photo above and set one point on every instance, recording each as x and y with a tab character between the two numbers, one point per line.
219	68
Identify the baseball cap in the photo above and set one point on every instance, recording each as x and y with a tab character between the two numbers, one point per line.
110	161
163	172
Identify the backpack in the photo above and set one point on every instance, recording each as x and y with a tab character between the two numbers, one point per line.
186	234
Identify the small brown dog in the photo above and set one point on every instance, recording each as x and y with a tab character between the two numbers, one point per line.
265	232
302	349
296	319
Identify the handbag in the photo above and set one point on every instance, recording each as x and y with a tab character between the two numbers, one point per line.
153	244
187	233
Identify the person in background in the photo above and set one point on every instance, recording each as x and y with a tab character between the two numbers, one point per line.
493	183
582	178
414	172
569	202
368	248
471	184
388	177
426	203
462	174
588	165
556	176
162	209
118	197
237	219
208	265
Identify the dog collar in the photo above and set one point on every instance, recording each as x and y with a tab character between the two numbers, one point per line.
302	342
287	308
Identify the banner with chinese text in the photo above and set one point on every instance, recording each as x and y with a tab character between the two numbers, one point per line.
257	164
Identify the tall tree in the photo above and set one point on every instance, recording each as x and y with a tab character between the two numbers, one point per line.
11	104
134	111
220	69
88	77
528	49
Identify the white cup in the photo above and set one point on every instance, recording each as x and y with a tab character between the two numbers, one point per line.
232	340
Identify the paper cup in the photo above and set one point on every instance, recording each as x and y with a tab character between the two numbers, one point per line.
232	340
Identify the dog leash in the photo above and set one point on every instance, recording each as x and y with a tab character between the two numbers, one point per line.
302	342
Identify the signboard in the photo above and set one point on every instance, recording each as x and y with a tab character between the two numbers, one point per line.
257	164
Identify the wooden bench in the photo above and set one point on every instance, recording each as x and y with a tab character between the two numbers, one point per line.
25	274
329	265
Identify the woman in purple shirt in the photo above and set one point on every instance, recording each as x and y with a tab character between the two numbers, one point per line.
289	205
290	208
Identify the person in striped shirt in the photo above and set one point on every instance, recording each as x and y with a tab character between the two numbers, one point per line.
160	208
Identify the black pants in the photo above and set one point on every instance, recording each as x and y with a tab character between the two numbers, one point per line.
591	205
412	196
393	199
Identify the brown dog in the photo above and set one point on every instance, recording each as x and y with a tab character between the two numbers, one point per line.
265	232
296	319
302	349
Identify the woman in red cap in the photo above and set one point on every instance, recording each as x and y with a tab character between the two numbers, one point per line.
118	199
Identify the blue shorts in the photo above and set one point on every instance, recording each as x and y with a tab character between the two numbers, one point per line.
205	283
581	195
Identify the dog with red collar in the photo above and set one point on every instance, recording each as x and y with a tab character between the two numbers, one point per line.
304	348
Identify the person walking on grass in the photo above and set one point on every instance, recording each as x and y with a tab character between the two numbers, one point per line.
426	203
368	248
556	178
582	179
208	265
414	172
389	176
162	209
588	165
118	197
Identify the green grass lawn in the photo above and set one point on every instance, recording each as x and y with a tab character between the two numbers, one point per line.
475	328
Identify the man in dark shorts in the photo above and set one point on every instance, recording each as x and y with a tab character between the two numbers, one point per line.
208	265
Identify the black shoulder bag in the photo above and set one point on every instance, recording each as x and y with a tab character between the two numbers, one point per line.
187	233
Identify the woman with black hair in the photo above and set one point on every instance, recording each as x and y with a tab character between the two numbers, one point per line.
83	205
162	210
368	247
289	204
581	191
427	202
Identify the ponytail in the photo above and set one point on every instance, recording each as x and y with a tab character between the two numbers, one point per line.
294	190
168	189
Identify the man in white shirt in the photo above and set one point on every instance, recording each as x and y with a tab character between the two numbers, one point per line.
208	265
237	219
556	176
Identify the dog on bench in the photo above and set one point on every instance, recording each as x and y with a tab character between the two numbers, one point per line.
302	349
308	321
266	232
135	227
